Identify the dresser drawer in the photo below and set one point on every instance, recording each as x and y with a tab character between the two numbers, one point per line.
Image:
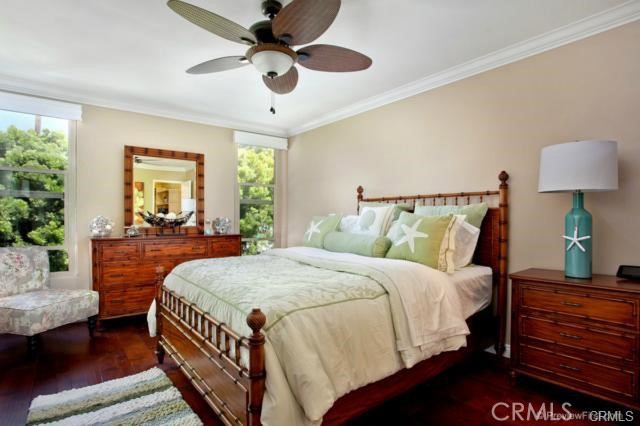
174	249
119	276
609	343
110	252
224	247
588	375
133	300
609	309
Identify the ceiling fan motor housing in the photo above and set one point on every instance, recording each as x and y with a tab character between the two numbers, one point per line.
270	8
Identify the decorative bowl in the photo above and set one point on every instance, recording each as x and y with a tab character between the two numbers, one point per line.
166	221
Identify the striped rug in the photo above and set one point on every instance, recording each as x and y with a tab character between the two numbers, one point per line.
146	398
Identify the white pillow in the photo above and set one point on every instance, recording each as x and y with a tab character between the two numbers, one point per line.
448	247
348	223
392	229
466	240
373	220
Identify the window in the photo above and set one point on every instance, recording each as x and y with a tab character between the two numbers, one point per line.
256	186
35	184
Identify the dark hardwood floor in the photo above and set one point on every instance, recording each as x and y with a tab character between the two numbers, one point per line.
68	359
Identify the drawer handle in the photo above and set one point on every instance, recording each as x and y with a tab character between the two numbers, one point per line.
570	336
571	304
155	249
117	275
116	302
568	367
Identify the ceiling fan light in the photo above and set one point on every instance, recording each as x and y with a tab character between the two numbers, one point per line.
270	62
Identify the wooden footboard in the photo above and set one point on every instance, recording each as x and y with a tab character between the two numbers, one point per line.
209	354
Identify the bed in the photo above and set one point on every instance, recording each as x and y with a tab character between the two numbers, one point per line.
228	361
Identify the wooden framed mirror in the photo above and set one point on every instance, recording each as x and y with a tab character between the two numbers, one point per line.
163	181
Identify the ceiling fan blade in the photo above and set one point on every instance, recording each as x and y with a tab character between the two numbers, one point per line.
283	84
212	22
219	64
325	57
302	21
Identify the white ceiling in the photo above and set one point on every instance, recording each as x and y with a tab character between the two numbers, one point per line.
133	54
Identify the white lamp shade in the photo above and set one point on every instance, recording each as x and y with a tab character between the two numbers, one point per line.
188	205
583	165
272	61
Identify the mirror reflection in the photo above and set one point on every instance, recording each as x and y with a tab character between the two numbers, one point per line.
163	185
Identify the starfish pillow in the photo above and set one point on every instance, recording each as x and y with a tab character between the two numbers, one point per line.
318	228
418	238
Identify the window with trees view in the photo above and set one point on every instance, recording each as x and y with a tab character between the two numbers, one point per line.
34	175
256	185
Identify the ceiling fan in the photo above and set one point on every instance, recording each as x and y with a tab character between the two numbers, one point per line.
271	41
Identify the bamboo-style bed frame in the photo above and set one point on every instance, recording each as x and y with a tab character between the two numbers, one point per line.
208	352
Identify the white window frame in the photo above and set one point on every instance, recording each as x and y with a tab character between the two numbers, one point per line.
238	201
69	176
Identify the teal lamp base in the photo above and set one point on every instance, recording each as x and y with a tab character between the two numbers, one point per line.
578	239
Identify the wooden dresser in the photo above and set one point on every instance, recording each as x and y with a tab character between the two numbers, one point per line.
124	268
580	334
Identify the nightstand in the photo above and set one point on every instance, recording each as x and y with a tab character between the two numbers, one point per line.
580	334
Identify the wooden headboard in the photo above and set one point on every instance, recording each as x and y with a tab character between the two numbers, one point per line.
492	249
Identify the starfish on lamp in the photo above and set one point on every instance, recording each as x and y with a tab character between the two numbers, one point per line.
575	240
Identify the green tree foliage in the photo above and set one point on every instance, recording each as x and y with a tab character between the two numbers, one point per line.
33	221
256	167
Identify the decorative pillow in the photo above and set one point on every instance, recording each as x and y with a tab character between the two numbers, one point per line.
348	223
466	242
23	269
419	238
397	208
474	212
318	228
393	228
448	248
364	245
373	220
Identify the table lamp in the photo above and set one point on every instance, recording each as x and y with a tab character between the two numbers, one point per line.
582	166
189	205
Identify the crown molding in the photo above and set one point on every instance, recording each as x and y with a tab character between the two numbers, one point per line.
11	84
589	26
594	24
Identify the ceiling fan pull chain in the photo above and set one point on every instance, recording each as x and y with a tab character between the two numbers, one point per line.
273	103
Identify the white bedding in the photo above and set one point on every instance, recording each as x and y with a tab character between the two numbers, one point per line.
475	288
339	348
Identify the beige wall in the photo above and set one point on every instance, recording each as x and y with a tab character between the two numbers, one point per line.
458	137
101	137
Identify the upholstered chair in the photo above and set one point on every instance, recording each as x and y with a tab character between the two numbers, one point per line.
28	306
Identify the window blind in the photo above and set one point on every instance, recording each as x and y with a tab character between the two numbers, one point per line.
40	106
255	139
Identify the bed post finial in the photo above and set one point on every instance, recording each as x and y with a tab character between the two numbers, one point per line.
360	191
504	177
256	320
